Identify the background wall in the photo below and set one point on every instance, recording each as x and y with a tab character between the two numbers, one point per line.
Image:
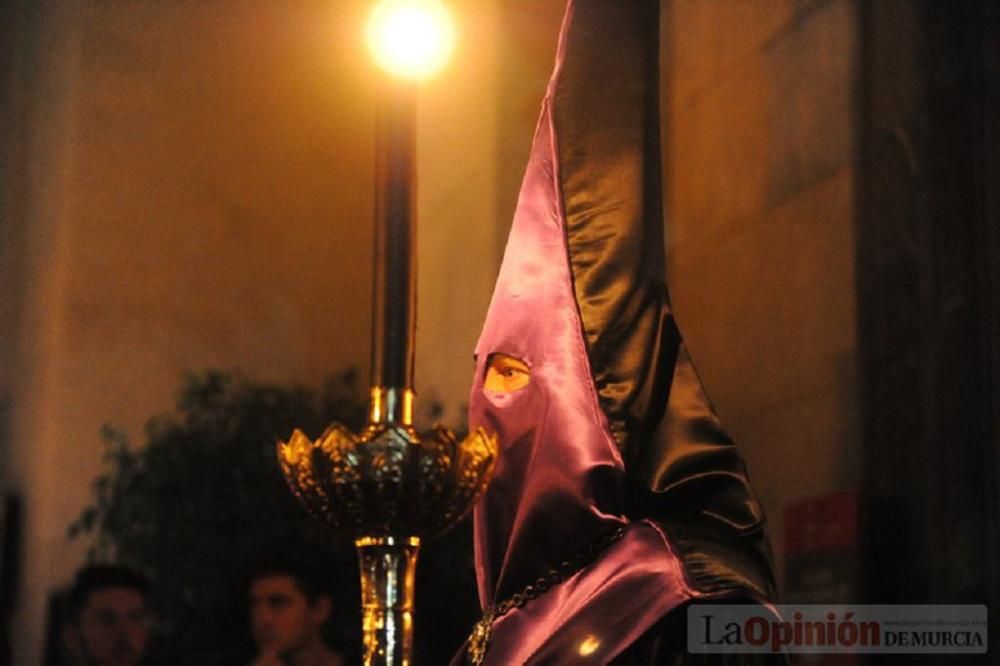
190	186
459	187
193	173
758	110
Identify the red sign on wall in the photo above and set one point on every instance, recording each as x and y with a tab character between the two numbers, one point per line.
821	559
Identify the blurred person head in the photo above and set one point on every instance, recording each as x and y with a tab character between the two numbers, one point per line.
108	617
290	604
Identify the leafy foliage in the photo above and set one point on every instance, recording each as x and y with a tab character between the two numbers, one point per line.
203	500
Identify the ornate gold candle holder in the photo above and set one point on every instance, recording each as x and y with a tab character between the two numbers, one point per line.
388	487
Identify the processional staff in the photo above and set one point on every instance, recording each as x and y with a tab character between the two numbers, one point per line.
389	486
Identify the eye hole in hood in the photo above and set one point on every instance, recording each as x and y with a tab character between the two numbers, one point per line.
506	374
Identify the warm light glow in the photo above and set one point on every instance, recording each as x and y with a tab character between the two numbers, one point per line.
411	39
589	645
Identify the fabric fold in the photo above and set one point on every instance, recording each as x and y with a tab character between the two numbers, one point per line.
615	428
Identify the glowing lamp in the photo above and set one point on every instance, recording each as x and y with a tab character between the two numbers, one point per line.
411	39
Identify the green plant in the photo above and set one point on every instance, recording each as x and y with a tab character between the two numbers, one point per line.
202	500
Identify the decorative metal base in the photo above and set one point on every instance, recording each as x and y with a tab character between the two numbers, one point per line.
388	481
388	570
388	487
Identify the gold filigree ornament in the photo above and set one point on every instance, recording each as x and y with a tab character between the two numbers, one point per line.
387	488
388	481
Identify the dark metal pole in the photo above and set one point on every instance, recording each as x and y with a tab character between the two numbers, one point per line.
394	307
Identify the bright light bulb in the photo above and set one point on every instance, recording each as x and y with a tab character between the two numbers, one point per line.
411	39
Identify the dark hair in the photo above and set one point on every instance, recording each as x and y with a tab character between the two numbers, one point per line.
96	577
312	581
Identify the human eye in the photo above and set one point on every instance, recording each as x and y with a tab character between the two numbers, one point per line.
506	374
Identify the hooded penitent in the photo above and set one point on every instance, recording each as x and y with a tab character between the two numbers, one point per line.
614	429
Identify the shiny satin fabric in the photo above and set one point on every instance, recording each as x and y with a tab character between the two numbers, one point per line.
614	427
599	612
558	483
683	469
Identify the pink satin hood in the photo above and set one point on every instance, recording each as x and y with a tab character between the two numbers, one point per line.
614	429
558	484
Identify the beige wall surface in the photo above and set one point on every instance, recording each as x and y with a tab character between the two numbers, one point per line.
459	188
759	144
197	193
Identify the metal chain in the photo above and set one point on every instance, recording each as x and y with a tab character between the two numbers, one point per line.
480	637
